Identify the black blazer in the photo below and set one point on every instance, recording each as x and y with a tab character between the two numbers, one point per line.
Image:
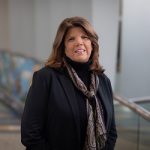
50	120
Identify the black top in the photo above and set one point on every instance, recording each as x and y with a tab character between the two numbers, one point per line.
83	71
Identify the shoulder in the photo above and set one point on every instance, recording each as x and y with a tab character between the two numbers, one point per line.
105	82
43	75
46	72
104	78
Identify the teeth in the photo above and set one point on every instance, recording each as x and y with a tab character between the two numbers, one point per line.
80	51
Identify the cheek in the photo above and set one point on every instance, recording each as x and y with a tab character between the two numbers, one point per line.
68	52
67	47
89	47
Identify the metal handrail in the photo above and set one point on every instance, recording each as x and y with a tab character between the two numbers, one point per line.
12	103
133	106
140	99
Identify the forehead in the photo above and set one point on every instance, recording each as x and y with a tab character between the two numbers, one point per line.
75	30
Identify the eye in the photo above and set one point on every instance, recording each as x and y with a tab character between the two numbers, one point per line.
71	39
85	37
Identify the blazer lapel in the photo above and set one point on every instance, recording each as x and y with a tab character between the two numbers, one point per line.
70	93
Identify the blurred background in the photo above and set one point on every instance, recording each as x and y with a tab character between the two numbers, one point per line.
27	31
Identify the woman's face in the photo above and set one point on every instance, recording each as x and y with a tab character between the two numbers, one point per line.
78	46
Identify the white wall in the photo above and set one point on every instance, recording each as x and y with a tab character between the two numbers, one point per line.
4	32
21	29
105	20
42	27
134	79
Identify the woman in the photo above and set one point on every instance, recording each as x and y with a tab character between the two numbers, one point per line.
70	104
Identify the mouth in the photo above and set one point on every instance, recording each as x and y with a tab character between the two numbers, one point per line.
80	51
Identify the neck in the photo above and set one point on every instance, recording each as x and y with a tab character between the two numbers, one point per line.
79	66
82	69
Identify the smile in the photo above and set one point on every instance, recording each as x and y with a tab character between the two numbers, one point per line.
79	50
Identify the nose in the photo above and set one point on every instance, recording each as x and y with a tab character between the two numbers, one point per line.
79	41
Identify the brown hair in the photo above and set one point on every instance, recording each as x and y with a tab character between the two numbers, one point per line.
58	52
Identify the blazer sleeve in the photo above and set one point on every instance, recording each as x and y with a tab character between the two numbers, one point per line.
112	134
34	116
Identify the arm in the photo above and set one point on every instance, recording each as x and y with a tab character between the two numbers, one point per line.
34	115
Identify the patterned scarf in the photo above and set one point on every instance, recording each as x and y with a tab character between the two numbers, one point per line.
96	131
